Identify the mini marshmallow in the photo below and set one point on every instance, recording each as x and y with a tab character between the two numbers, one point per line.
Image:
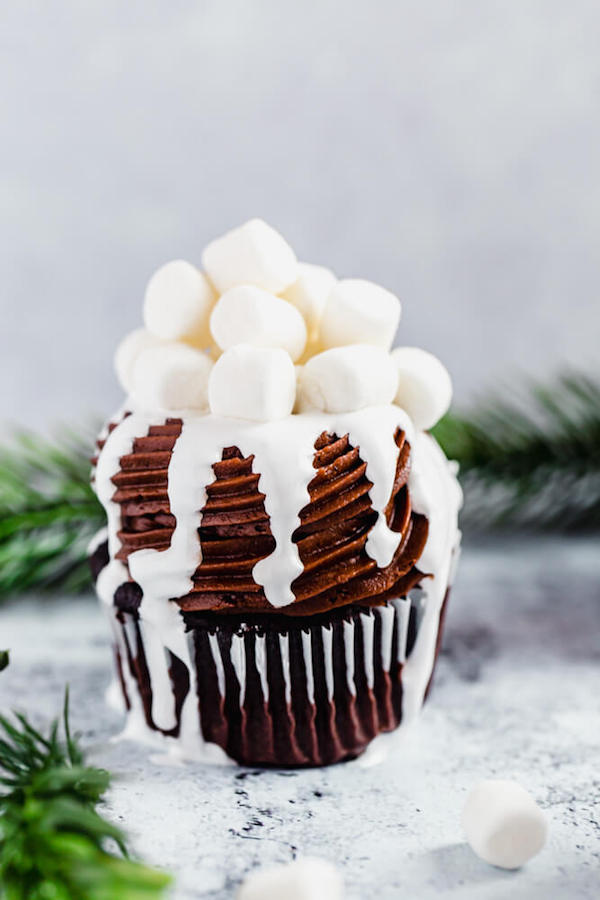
127	353
177	303
424	385
172	376
307	878
252	383
359	311
309	294
503	824
347	378
254	254
249	315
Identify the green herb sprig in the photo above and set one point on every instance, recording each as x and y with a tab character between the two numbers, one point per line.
54	844
48	513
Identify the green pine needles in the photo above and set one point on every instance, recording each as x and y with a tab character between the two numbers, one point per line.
48	513
54	844
530	458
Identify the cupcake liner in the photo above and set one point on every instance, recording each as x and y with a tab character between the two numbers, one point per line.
274	691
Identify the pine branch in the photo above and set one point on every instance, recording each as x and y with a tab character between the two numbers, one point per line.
48	513
53	841
532	460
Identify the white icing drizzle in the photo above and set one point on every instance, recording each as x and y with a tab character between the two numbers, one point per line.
238	661
163	698
216	655
368	625
260	656
437	494
349	655
386	617
284	453
307	653
284	653
327	637
403	611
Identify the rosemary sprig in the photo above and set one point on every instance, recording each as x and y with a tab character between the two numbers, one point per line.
53	842
48	513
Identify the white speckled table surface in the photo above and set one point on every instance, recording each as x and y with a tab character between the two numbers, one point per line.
517	695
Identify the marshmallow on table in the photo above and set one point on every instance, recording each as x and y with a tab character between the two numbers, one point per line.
127	353
250	315
359	312
253	383
424	385
347	378
255	254
307	878
309	294
503	824
171	376
177	303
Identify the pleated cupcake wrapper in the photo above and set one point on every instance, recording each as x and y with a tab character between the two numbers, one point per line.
289	693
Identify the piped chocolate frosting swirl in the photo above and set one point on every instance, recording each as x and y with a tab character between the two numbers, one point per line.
234	532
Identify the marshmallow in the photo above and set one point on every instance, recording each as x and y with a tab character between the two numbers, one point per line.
424	385
177	303
309	294
347	378
249	315
252	383
359	311
127	353
306	878
255	254
503	824
171	376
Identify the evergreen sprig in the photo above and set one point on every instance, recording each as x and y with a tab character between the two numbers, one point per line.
48	512
54	844
530	457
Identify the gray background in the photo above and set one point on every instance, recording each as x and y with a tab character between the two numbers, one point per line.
448	150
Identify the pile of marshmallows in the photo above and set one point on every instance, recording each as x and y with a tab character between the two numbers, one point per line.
227	339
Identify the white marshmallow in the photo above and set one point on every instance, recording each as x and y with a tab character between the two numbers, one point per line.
309	294
255	254
424	385
306	878
171	376
359	311
347	378
249	315
127	353
177	303
503	824
252	383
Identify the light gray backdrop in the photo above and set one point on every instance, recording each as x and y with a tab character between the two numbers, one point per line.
446	149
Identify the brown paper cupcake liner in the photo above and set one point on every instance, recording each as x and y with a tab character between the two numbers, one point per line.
274	691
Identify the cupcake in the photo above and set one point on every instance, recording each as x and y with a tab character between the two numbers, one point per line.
281	528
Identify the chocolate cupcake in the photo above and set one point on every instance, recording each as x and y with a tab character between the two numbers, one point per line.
280	539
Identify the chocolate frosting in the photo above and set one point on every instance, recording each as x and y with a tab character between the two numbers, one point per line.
234	532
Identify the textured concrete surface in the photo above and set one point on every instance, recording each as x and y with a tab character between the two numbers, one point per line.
447	150
516	695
